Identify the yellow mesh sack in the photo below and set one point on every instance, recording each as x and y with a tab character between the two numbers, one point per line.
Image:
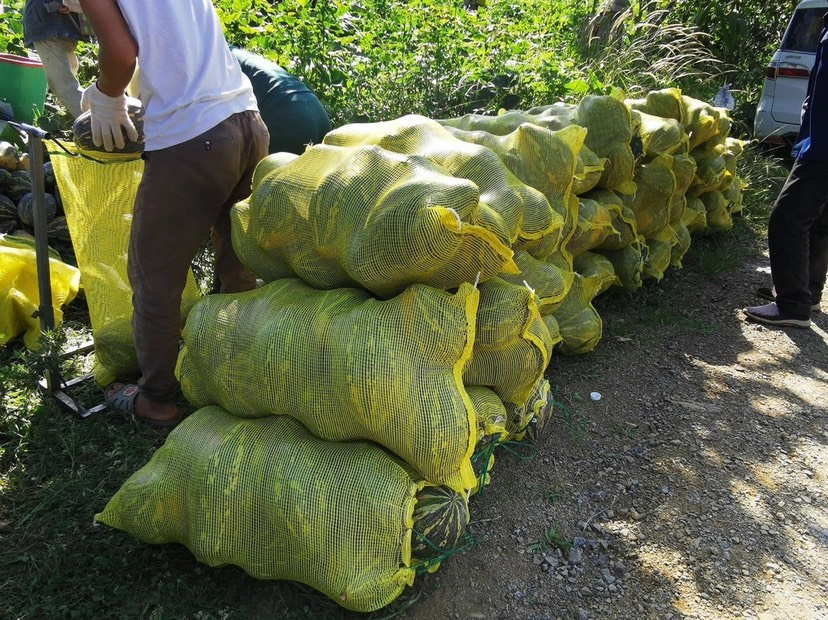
98	200
20	292
594	226
711	170
346	365
509	121
588	170
651	203
661	136
716	211
658	253
550	278
579	323
628	263
682	245
666	103
543	159
367	217
507	203
701	121
535	411
733	195
725	125
610	131
597	267
512	346
695	215
491	431
268	496
622	218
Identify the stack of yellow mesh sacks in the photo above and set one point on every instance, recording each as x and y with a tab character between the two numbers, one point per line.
714	193
650	172
349	407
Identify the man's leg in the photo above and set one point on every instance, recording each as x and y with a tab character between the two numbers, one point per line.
182	192
800	205
818	257
61	65
232	275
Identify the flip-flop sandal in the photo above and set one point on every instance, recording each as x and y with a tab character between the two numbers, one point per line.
121	397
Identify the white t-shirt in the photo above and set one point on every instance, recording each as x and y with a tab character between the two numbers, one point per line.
189	80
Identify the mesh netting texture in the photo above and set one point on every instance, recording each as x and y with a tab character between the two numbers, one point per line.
98	197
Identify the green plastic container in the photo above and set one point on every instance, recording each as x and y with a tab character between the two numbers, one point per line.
23	86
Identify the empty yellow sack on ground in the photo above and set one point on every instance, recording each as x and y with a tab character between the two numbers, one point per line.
268	496
98	199
370	218
346	365
20	292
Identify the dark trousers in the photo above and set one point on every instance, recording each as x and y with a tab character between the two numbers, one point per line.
798	237
185	193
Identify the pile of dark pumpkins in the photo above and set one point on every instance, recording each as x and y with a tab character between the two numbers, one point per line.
17	200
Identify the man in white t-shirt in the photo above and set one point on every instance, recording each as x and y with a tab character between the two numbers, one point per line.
203	138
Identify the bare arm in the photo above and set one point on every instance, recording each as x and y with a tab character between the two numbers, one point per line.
117	48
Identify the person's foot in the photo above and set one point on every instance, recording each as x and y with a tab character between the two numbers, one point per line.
771	314
127	398
769	293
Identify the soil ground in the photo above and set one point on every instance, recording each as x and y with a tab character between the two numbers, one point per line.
694	488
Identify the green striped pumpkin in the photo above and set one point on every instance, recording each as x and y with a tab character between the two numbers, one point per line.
8	210
440	518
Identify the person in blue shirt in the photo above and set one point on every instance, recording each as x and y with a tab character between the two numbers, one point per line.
53	31
293	114
798	224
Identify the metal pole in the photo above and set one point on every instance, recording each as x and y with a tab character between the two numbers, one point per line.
46	311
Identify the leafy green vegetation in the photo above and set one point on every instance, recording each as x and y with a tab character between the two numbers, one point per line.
368	60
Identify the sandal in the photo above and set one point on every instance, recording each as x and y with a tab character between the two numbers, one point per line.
122	396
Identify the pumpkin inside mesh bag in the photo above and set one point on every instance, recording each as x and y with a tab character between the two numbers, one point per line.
594	266
610	132
695	215
98	197
541	158
665	103
659	253
588	170
365	216
594	226
506	202
491	431
661	136
579	323
624	230
527	421
346	365
652	201
550	277
268	496
628	263
512	346
701	120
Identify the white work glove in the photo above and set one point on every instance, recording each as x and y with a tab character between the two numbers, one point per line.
110	118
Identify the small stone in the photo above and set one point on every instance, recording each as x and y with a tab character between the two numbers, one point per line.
634	515
575	555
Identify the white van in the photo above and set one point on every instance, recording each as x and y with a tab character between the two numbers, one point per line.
786	78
